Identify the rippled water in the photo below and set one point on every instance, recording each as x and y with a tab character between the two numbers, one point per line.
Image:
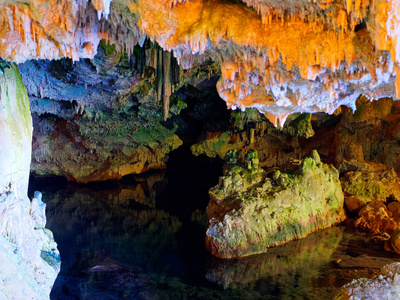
143	238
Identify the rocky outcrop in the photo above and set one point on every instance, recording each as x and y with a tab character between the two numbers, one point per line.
28	254
374	185
101	119
383	286
251	210
275	146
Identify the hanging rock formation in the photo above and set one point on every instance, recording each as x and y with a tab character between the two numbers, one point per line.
100	119
279	57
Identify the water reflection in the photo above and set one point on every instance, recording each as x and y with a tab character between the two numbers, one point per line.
143	239
286	271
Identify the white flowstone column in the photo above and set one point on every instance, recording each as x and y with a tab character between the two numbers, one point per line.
29	259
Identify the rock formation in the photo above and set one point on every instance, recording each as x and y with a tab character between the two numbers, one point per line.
279	57
97	120
28	254
249	211
108	117
383	286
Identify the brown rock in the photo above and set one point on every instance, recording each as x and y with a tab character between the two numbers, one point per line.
394	242
394	209
355	203
374	218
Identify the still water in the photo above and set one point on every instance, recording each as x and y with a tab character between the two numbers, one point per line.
143	238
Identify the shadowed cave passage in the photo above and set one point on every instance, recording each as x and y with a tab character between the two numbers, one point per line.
150	225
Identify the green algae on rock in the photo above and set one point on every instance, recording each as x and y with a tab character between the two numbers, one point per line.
378	185
250	211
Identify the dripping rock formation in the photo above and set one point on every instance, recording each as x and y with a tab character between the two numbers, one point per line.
279	57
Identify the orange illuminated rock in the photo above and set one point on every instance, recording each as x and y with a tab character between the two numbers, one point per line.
280	57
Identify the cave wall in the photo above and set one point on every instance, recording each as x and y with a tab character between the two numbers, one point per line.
28	254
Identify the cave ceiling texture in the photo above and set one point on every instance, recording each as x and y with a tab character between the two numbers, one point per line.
279	56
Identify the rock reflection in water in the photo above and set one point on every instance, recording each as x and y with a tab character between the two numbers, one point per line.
108	230
289	269
116	243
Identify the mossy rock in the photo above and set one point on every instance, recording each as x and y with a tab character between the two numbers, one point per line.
250	211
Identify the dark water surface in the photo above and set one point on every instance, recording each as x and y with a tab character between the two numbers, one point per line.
143	238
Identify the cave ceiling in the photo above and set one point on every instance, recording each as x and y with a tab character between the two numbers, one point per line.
279	56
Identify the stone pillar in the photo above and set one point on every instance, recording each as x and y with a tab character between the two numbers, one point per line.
29	258
15	133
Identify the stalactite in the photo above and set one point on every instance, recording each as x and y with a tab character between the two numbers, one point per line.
281	57
175	71
252	131
159	74
167	80
397	81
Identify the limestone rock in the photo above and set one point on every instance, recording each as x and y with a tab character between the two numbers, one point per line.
96	120
394	242
375	185
366	138
29	258
328	61
38	209
16	133
250	212
383	286
28	254
394	209
374	218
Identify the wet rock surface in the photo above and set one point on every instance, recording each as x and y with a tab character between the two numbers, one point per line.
250	211
130	248
382	286
28	254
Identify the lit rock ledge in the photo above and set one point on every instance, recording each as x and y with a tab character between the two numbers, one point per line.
384	286
250	212
29	258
